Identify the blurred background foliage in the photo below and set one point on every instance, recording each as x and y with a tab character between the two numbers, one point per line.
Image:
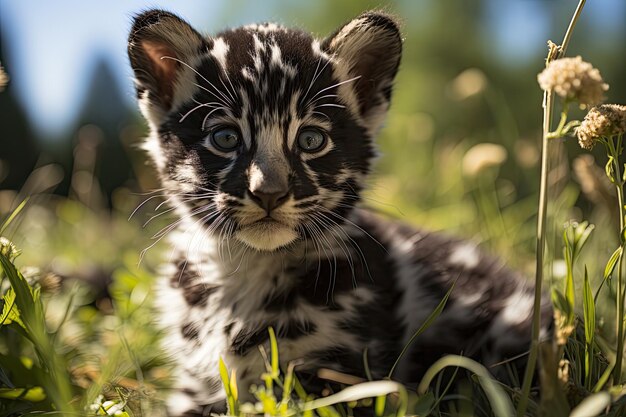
468	77
69	134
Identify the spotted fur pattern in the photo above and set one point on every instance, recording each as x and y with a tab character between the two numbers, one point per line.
269	233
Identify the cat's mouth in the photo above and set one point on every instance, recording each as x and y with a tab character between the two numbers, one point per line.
266	234
267	220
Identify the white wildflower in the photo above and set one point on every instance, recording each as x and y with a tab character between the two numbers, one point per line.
574	79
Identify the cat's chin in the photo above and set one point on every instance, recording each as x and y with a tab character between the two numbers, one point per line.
266	236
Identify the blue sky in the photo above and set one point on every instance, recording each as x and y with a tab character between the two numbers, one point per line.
50	46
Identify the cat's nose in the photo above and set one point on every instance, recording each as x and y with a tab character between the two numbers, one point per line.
268	201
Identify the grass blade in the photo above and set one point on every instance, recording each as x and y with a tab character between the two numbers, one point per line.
499	400
427	323
56	379
589	315
379	405
604	378
370	389
13	215
570	295
593	405
274	352
226	382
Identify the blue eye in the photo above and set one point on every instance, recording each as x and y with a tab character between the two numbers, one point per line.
225	139
311	140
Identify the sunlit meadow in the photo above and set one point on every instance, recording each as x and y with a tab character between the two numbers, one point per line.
77	335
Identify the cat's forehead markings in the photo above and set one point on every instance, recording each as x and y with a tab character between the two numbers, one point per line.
220	50
316	47
259	48
258	45
277	61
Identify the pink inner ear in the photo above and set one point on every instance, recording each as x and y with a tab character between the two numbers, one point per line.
164	68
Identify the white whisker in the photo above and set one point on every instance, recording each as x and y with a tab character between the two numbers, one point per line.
335	85
210	105
201	76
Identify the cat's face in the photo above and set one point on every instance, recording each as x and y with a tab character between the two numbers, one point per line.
263	133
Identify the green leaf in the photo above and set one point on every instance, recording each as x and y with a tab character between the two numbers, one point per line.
608	169
10	312
559	301
583	232
34	394
609	268
610	265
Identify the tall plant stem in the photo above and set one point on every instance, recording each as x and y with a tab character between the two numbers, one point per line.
541	221
618	180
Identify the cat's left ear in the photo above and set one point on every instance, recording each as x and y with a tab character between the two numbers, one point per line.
160	46
370	46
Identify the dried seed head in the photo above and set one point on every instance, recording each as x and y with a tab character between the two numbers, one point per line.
563	329
601	121
574	79
4	78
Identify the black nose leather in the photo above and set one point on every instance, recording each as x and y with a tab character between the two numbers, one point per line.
268	201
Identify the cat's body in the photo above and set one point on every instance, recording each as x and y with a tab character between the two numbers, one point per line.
262	137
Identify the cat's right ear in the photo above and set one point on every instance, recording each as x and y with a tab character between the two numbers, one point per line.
160	45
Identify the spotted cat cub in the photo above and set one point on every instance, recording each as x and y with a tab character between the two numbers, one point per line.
263	137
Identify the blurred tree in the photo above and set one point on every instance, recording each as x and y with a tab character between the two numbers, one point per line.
19	150
98	151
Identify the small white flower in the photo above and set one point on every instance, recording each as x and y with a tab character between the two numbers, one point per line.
95	406
8	249
107	408
112	408
574	79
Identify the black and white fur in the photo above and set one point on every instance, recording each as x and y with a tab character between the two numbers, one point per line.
270	235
